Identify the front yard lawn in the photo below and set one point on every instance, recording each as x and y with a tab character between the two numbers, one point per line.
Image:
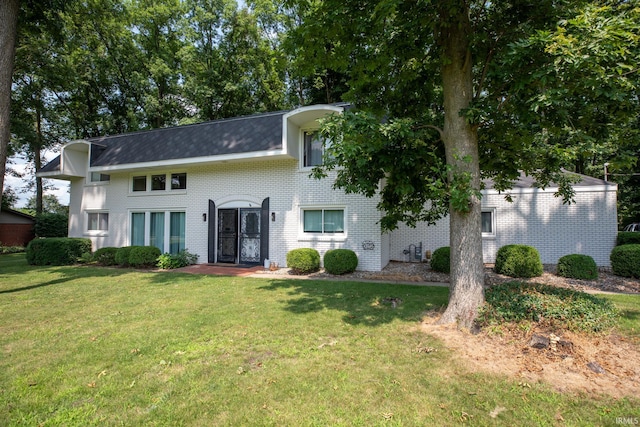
86	346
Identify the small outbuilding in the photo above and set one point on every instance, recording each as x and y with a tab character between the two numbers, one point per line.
16	228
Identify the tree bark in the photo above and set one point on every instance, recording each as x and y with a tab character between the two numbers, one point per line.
466	292
8	31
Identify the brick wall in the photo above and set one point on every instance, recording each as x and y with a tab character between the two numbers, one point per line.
16	234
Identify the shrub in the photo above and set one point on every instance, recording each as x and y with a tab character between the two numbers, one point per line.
51	225
625	260
549	306
340	261
303	260
628	238
143	256
577	266
105	256
518	261
57	250
11	249
441	260
183	258
122	255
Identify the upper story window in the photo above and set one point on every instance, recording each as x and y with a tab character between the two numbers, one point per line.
158	182
313	149
100	177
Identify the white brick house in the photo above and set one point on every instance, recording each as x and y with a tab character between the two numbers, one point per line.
238	191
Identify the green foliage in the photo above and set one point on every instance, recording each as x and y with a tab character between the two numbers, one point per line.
340	261
143	256
183	258
549	306
57	250
518	261
625	260
628	238
51	225
105	256
303	260
11	249
122	255
441	260
577	266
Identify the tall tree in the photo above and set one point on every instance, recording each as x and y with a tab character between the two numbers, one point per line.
9	10
446	93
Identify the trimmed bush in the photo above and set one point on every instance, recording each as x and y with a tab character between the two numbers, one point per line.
143	256
105	256
57	250
577	266
122	255
51	225
183	258
518	261
303	260
628	238
340	261
625	261
441	260
548	306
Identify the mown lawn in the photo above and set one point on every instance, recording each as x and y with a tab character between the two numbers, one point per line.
84	346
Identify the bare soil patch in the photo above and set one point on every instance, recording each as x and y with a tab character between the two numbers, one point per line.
603	364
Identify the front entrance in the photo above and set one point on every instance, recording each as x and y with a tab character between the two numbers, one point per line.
239	235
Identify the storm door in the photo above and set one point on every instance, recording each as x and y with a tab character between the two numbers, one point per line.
227	235
250	236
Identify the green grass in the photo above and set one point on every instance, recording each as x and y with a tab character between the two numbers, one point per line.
84	346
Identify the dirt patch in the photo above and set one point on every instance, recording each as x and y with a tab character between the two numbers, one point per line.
603	364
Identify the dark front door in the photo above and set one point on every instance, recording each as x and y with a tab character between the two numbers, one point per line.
250	236
239	235
227	235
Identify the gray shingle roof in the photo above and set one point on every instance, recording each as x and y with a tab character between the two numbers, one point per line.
259	132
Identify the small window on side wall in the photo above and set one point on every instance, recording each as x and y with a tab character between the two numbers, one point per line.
100	177
488	223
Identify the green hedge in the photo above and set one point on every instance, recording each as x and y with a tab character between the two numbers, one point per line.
57	250
122	255
144	256
518	261
625	260
51	225
303	260
105	256
441	260
340	261
577	266
628	238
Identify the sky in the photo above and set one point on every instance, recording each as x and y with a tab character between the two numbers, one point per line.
19	184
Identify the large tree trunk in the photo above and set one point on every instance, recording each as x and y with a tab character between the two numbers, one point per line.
461	147
8	29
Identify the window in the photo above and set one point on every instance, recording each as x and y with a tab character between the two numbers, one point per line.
178	181
325	221
488	223
164	230
139	183
312	149
158	182
100	177
97	221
